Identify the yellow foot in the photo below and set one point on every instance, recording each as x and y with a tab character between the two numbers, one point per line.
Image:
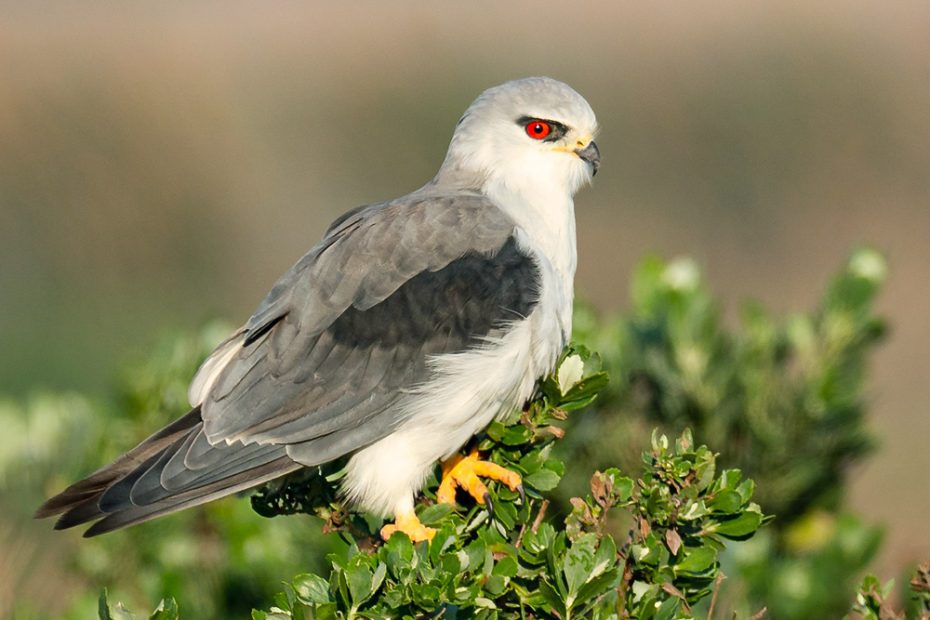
463	471
410	525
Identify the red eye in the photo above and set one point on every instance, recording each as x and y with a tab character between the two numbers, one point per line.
538	129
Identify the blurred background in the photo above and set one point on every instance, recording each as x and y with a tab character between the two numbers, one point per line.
161	164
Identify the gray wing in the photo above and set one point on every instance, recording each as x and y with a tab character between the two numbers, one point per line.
345	331
317	371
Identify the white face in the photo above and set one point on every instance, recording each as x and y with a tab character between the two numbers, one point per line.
535	132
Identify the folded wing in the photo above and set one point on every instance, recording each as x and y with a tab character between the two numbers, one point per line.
321	368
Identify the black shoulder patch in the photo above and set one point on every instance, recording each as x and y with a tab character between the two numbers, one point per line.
458	304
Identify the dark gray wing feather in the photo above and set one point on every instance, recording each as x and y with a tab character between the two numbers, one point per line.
359	316
316	371
93	485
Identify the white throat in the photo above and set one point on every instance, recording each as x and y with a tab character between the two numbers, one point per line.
547	214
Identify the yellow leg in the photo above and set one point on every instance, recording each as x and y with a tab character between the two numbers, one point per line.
409	524
463	471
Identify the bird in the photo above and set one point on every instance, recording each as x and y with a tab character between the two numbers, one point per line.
403	333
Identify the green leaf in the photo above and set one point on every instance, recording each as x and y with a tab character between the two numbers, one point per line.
693	510
583	393
487	603
167	610
726	501
738	528
506	513
696	562
121	613
427	595
543	480
746	489
103	607
623	488
606	555
531	462
105	612
668	609
506	567
378	578
516	435
399	553
552	598
495	431
600	584
431	515
495	584
729	479
286	599
311	589
358	578
579	562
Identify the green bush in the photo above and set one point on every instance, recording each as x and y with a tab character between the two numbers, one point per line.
781	400
872	598
511	562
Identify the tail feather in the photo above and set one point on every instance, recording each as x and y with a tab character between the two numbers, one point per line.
114	496
139	514
131	490
85	512
103	478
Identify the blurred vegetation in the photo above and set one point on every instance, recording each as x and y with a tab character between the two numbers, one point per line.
874	600
779	400
783	399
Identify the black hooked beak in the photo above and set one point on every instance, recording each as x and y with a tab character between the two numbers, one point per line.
591	155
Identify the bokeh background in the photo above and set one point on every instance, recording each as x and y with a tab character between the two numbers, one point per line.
162	163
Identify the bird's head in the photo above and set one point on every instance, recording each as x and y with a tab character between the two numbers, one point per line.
534	132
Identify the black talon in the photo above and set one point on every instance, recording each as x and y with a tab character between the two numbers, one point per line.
522	493
489	504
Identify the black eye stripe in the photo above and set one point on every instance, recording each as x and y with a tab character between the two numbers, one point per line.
558	129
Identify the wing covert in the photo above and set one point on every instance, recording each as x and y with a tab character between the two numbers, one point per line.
325	359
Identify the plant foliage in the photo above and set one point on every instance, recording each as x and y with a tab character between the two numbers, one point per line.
783	400
515	560
872	598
